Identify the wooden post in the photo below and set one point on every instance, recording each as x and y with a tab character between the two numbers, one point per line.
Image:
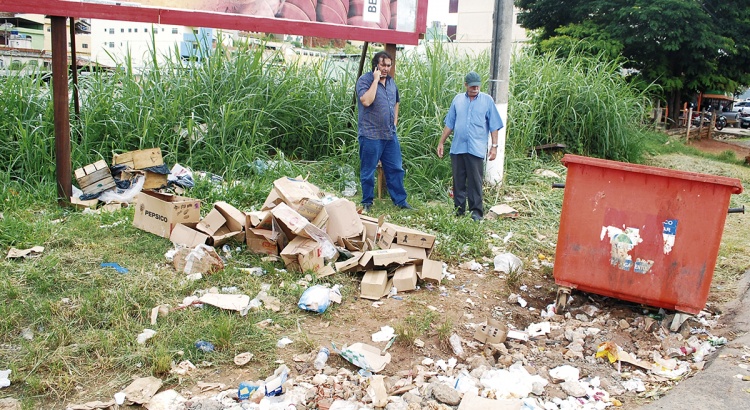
74	65
689	123
61	110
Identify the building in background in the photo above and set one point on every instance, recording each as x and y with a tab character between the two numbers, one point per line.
22	42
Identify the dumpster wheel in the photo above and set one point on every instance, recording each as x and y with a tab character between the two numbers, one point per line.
563	297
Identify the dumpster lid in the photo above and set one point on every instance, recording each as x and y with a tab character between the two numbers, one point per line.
734	183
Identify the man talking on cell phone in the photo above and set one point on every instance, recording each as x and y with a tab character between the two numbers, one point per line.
376	122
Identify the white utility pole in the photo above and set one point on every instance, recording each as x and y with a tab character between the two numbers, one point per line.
502	31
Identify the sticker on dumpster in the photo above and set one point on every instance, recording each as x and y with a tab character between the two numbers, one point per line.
669	233
622	242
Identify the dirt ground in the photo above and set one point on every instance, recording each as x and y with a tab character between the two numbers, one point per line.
723	142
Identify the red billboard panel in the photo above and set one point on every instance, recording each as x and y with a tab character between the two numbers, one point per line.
382	21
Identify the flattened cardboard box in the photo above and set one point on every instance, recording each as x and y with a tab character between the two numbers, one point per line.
159	213
412	252
140	159
405	236
292	191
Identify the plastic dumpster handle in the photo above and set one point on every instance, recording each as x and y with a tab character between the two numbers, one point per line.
558	185
740	210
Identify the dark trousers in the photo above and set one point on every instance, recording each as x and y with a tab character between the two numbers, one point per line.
468	177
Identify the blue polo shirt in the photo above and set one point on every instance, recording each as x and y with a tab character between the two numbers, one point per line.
377	120
471	122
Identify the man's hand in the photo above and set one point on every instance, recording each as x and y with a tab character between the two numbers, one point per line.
440	152
493	154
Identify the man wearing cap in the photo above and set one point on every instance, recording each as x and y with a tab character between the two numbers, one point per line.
471	117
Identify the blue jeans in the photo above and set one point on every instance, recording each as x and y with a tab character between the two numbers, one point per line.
388	152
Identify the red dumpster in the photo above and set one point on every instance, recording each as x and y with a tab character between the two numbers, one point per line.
639	233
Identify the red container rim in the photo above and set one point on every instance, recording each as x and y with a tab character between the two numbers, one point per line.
734	183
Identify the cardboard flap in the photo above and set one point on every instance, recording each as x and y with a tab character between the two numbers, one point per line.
366	357
290	221
295	191
234	217
373	285
343	220
211	222
186	234
258	219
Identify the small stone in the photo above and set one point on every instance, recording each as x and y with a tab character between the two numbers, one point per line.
410	397
623	324
446	394
573	388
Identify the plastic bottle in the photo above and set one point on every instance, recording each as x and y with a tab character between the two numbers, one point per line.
321	358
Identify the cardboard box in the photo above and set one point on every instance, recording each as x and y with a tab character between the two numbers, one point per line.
291	222
262	241
405	278
371	227
292	191
412	252
139	159
152	179
374	285
303	254
201	259
383	257
343	220
491	332
349	264
187	235
405	236
211	222
431	271
160	213
258	219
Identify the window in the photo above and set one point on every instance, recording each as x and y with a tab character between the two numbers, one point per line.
174	30
33	63
15	65
111	31
2	63
145	30
111	44
84	45
135	30
130	30
122	30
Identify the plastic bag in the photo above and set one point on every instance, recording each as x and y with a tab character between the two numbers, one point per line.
315	298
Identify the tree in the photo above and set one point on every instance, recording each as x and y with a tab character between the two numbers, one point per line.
684	46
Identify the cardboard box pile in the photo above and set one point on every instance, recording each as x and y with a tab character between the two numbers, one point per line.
138	162
309	231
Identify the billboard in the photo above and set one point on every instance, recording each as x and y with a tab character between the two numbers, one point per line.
382	21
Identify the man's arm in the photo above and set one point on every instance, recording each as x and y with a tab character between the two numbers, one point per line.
395	114
493	150
369	96
446	132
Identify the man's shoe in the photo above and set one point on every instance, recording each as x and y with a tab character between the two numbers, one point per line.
366	208
404	206
476	217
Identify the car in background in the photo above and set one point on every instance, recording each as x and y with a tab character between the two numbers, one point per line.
745	122
743	107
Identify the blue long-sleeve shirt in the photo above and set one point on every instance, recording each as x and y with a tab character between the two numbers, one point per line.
378	120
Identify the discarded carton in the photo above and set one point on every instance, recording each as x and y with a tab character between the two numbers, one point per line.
343	220
405	278
374	285
405	236
349	264
159	213
187	235
371	226
432	271
258	219
365	356
383	257
94	178
140	159
303	254
151	180
292	191
491	332
412	252
504	210
262	241
201	259
291	222
14	253
223	223
226	301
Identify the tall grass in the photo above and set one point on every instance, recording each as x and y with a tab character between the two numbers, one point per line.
221	114
581	101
